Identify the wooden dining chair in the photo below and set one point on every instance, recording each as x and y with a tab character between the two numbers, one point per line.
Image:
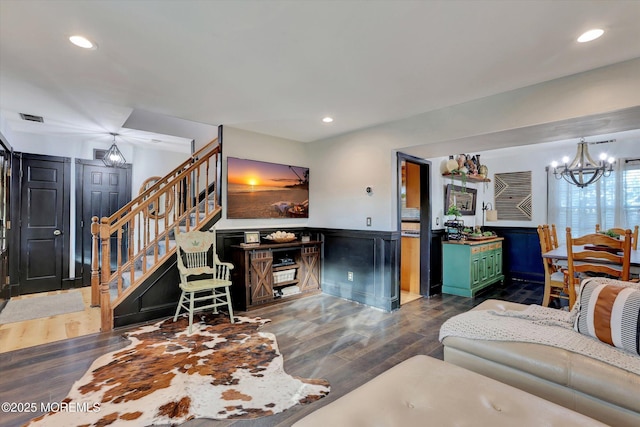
620	231
600	255
554	283
552	235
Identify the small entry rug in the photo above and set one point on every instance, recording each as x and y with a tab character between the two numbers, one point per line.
18	310
167	377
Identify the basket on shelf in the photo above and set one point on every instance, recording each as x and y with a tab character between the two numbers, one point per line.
282	239
284	275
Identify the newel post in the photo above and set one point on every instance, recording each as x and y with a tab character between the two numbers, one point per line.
95	262
105	276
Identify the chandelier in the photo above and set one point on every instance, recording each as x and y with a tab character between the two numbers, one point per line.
113	158
583	170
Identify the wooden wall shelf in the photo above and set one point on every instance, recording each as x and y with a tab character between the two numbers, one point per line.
470	178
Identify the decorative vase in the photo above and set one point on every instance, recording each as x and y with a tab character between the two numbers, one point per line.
451	165
483	171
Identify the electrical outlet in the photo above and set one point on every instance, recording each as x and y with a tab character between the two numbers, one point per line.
368	221
350	276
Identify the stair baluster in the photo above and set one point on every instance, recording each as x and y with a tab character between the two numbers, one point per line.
140	235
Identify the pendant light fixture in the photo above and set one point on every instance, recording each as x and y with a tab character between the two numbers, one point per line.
583	170
114	158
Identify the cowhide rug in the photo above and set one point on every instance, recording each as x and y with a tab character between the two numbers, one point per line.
165	376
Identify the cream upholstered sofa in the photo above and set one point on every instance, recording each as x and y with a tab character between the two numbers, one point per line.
585	384
424	391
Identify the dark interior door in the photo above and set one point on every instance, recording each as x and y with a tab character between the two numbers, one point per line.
100	191
43	225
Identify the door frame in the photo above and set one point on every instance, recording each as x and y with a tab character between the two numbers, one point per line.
79	250
425	217
16	213
5	287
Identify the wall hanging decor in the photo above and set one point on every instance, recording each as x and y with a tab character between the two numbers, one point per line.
512	193
257	189
463	198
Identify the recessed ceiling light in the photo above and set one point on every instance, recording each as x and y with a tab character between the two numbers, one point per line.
590	35
82	42
327	119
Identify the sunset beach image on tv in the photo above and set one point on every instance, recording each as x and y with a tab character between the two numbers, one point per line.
257	189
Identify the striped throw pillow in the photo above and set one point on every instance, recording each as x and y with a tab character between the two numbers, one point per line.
610	312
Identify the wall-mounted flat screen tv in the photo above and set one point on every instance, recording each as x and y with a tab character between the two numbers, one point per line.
257	189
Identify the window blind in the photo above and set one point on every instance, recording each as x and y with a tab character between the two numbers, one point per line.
612	201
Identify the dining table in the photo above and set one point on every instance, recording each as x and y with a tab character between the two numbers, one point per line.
560	254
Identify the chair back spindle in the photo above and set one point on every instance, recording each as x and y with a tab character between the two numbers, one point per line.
599	254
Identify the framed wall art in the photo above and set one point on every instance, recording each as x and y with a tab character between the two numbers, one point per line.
251	238
512	192
257	189
463	198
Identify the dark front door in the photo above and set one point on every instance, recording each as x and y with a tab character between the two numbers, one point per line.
44	207
100	191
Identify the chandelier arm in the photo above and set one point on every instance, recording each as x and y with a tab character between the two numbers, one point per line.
590	159
557	175
578	160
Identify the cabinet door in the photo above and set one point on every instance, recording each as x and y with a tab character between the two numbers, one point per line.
491	273
309	273
482	266
475	271
261	276
498	262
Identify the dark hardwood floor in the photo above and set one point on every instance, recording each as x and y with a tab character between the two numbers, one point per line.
320	337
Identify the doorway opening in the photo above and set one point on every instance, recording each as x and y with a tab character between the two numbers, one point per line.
414	224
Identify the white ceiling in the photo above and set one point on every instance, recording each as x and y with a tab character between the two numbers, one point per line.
278	67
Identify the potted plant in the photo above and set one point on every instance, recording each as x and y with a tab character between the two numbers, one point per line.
453	210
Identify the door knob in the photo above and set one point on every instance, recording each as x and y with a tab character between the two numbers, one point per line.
57	232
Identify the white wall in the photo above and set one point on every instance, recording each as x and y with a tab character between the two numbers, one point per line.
341	169
254	146
343	166
148	163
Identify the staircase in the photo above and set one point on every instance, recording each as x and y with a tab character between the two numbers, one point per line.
130	245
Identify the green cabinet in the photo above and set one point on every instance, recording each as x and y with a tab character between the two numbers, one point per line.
469	266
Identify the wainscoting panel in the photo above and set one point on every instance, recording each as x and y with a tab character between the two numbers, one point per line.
372	257
155	299
521	253
435	274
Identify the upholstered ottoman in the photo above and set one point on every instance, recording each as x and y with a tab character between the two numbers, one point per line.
423	391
